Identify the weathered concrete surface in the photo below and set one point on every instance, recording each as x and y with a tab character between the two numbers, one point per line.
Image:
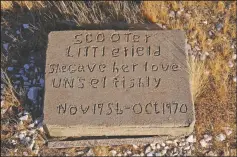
107	82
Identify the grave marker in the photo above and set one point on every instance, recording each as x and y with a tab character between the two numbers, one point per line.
110	82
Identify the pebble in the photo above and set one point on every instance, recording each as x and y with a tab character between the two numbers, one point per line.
14	142
166	147
2	103
207	138
150	154
23	118
230	64
10	68
26	26
203	143
25	154
158	154
90	153
169	142
163	152
190	139
220	137
42	82
80	153
163	144
228	131
187	148
31	125
135	146
148	149
158	146
26	66
172	14
21	136
234	79
219	26
5	46
234	57
33	93
136	155
153	145
113	152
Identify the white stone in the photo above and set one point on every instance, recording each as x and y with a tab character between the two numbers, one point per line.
32	93
5	46
234	79
150	154
21	136
207	138
142	154
23	118
234	57
14	142
26	66
25	154
90	153
230	64
220	137
169	142
158	146
166	147
42	82
148	150
172	14
10	68
158	154
187	148
80	153
205	22
113	152
203	143
190	139
128	152
153	146
163	144
26	26
136	155
163	152
135	146
2	103
228	131
31	125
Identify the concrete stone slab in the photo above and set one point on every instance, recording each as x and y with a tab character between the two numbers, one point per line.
114	82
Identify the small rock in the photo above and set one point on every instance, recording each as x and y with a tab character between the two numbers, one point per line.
21	136
230	64
2	103
113	152
163	152
187	148
203	57
219	26
150	154
42	82
181	144
5	46
80	153
129	152
163	144
90	153
234	79
211	153
31	125
23	118
234	57
33	93
14	142
203	143
228	131
190	139
25	154
10	68
26	66
26	26
142	154
135	146
148	149
158	146
18	32
166	147
169	142
172	14
153	146
158	154
220	137
207	138
205	22
136	155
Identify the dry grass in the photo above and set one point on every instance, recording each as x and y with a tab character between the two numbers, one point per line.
215	93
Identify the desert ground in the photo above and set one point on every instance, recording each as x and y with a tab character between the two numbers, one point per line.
211	44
